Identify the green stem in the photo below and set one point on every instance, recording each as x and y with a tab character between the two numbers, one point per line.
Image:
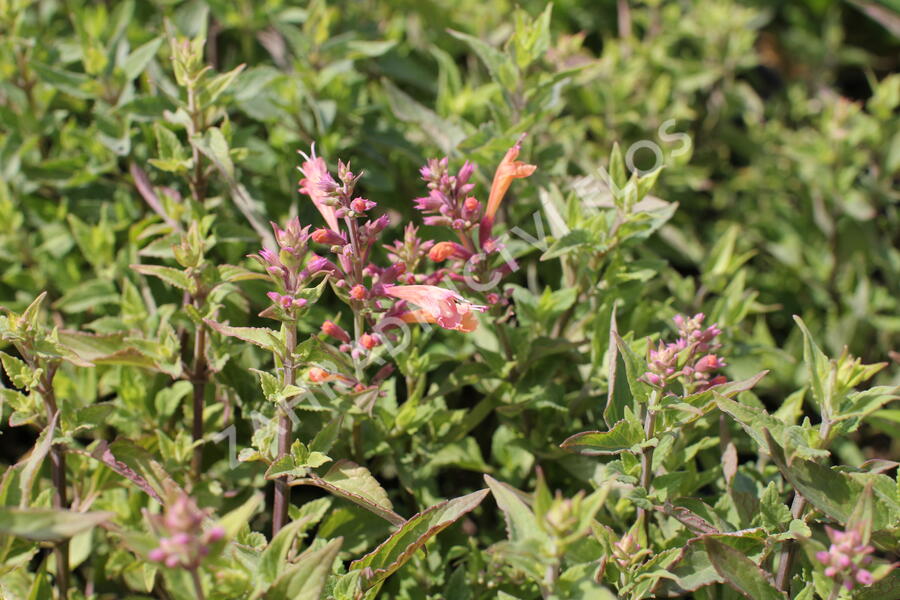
798	507
647	460
199	378
282	489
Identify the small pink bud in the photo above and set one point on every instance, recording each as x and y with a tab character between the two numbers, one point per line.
864	577
172	561
369	341
181	539
361	205
157	555
215	534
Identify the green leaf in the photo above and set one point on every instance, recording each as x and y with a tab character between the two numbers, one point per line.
623	437
35	460
571	241
445	134
635	367
499	65
214	88
260	336
172	276
168	145
48	525
740	572
817	369
521	523
395	551
138	59
306	580
239	517
352	482
834	493
272	560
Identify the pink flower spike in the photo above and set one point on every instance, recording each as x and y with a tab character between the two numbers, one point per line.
316	179
823	557
444	307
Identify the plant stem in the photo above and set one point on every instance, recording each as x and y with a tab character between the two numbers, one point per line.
282	489
198	378
198	585
798	506
835	591
58	475
647	460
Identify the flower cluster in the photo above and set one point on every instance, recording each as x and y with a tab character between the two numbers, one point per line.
845	558
449	204
291	267
183	543
381	298
691	358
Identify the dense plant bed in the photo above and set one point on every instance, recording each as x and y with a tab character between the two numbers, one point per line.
399	300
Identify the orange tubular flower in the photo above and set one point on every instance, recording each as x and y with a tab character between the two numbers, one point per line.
443	307
444	250
315	173
509	169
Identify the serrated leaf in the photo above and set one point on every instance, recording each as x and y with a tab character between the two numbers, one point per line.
172	276
623	436
355	483
834	493
395	551
740	572
259	336
521	523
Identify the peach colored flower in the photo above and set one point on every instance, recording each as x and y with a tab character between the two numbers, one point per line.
509	169
315	174
444	250
437	305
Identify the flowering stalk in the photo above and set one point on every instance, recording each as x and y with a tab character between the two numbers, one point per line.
289	271
282	490
690	361
183	543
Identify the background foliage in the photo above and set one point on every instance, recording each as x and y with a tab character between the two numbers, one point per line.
781	201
